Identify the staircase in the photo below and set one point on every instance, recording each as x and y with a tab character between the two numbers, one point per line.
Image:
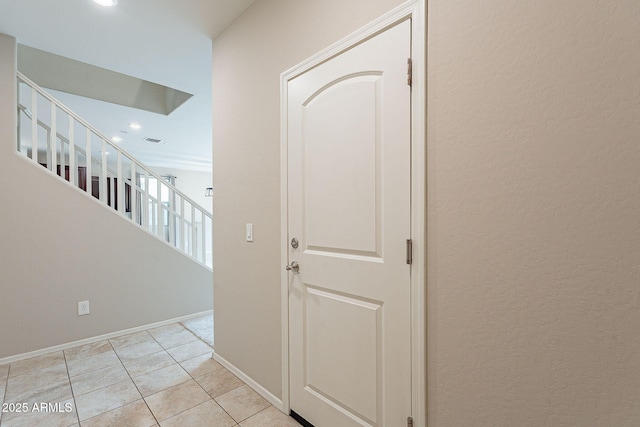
52	136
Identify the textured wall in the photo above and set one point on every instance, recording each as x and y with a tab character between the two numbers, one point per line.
270	37
60	247
534	212
533	202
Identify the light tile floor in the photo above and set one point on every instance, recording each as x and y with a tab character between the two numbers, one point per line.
160	377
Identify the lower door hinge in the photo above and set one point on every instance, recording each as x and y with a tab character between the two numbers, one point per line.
409	422
409	251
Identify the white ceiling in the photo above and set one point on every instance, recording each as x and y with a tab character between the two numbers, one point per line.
163	41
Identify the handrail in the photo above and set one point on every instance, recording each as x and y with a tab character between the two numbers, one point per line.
99	134
181	222
44	126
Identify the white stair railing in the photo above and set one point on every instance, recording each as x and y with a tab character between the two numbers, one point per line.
55	137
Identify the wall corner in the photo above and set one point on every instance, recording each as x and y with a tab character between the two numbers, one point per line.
8	92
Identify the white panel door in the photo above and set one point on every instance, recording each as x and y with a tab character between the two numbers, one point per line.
349	183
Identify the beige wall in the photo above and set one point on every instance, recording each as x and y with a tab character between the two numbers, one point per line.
248	58
60	247
533	201
534	212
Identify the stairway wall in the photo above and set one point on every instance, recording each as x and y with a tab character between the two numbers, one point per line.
60	247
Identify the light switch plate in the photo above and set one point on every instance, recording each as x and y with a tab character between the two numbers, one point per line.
249	232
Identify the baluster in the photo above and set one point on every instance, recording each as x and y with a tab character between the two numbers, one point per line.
194	232
19	118
204	241
160	219
164	218
145	204
73	175
120	186
34	125
89	161
208	261
19	134
182	242
171	216
53	139
111	183
103	176
63	160
133	197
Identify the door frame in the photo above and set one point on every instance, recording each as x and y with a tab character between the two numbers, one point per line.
416	11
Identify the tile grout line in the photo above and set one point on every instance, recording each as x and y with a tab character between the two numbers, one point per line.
259	412
237	423
6	388
93	371
194	379
211	397
196	337
128	374
132	381
26	413
190	376
178	363
73	395
222	407
174	359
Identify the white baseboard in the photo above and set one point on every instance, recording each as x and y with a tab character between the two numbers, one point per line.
66	346
249	381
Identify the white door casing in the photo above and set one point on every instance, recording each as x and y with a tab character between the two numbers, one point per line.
349	207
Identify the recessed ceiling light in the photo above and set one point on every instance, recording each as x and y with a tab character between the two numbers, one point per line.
106	2
134	125
116	139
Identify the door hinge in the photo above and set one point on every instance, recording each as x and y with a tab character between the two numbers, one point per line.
409	251
409	71
409	422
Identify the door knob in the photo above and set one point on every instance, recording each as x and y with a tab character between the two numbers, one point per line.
294	266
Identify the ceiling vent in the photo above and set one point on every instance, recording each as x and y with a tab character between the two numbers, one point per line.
154	140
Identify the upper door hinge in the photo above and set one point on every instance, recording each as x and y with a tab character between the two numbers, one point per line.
409	422
409	251
409	71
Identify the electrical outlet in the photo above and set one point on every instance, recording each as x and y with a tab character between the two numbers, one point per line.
83	308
